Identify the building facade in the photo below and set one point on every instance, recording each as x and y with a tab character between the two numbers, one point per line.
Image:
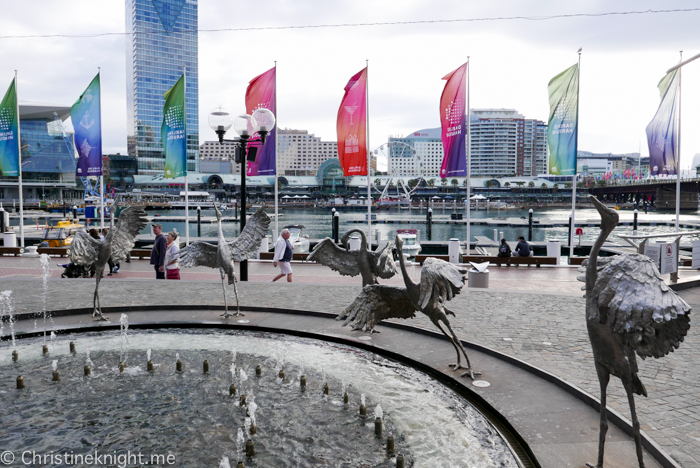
161	45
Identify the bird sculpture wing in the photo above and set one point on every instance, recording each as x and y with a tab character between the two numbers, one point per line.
199	254
84	249
336	258
248	243
440	281
383	264
375	303
638	305
131	221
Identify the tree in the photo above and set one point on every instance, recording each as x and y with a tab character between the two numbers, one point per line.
531	184
507	185
602	183
412	183
431	182
466	181
443	181
455	184
567	185
544	185
555	187
579	185
377	182
520	183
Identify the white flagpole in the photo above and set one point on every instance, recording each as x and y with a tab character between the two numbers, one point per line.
369	158
469	168
573	192
678	152
19	147
277	230
187	198
102	177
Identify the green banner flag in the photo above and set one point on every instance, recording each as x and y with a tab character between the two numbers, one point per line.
9	133
173	132
562	130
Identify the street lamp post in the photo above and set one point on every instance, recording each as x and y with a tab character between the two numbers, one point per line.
261	122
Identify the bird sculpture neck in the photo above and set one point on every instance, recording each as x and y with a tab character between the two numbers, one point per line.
608	221
363	238
406	279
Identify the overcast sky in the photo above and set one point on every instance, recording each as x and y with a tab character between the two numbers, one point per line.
512	60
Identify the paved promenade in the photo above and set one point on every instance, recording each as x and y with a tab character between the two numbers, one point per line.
533	314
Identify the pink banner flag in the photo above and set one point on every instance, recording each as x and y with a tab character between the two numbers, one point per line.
352	126
453	102
261	94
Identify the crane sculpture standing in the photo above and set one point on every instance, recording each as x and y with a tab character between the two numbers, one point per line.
223	254
85	250
440	281
348	262
629	309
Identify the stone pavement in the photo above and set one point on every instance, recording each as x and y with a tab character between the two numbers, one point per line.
533	314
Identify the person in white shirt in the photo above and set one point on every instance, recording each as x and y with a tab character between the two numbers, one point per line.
283	256
172	257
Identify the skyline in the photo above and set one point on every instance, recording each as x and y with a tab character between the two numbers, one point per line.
511	61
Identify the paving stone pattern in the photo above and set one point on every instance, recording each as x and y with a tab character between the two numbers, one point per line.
544	329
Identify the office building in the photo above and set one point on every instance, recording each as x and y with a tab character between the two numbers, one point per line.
161	43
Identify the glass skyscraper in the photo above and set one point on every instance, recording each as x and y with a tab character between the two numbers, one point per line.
161	43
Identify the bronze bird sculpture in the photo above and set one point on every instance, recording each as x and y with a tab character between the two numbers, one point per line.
440	281
118	242
223	254
348	262
629	309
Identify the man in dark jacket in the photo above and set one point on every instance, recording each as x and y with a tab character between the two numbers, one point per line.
158	251
522	249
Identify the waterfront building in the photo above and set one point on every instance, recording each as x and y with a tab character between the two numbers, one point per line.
417	154
119	169
596	163
161	42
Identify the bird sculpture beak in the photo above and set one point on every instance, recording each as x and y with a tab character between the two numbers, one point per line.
608	217
218	213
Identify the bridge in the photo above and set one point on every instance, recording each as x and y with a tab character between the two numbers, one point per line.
658	192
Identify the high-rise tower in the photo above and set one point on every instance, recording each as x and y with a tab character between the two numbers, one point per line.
161	42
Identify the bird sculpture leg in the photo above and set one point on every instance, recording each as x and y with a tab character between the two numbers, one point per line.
235	292
603	378
96	307
635	422
458	346
223	285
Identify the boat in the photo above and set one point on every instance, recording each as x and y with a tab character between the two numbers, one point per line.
297	238
203	200
60	235
411	246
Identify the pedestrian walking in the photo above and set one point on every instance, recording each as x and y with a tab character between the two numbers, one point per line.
283	256
172	257
158	251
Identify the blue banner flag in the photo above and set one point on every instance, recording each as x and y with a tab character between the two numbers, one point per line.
173	131
86	117
661	131
562	130
9	133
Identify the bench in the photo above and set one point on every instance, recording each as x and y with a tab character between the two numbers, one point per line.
517	261
271	255
421	258
577	260
10	251
141	253
58	251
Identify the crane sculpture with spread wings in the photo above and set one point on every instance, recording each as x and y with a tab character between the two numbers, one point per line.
629	309
223	254
365	262
85	250
440	281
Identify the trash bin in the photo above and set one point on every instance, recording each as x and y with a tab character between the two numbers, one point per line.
554	249
9	239
478	279
453	250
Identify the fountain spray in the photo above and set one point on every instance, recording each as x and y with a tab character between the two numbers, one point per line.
149	363
9	310
363	408
46	273
378	414
54	366
123	337
224	463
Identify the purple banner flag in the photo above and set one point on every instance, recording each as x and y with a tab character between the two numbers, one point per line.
452	117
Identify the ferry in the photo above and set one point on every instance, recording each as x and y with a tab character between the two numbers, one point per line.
297	238
60	235
411	246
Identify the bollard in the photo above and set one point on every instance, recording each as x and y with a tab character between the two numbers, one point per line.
20	382
400	461
281	374
86	370
302	381
240	465
249	448
529	229
56	376
121	367
45	349
346	398
199	221
242	401
206	366
429	222
336	227
71	346
15	356
390	445
363	410
378	426
258	370
149	366
634	228
253	429
178	366
232	390
326	389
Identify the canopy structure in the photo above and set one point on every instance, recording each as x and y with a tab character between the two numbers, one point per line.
478	197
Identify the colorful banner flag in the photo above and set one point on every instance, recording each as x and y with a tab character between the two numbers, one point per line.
9	132
173	132
261	94
86	117
661	131
562	130
351	126
452	118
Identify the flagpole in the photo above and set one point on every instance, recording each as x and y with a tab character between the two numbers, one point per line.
469	168
102	177
19	147
187	198
369	157
678	150
573	192
277	231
